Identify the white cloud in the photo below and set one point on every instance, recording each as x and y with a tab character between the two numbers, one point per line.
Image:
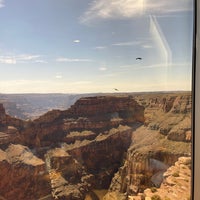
131	43
27	57
159	65
41	61
22	58
102	68
146	46
116	9
7	60
58	76
2	3
73	60
100	47
76	41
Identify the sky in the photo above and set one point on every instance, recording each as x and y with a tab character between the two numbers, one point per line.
90	46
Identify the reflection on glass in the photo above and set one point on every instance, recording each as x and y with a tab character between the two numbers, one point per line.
95	99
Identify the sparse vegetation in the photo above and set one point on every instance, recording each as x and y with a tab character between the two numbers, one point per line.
155	197
153	189
175	174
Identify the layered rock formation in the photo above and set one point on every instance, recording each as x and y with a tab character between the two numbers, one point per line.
9	128
77	168
121	143
170	114
95	114
156	146
23	175
81	147
148	158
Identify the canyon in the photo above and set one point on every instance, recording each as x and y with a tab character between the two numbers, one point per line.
122	144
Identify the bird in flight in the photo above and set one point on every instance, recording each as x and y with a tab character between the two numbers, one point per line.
115	89
138	58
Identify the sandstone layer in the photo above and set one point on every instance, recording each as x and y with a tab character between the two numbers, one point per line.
123	144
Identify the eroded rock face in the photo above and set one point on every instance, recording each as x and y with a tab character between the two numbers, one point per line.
95	114
23	175
92	137
2	116
98	141
170	115
87	165
9	128
149	156
176	183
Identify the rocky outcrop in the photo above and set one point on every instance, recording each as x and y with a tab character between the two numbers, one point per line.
95	114
2	116
170	115
149	156
98	143
176	183
9	128
110	148
108	107
75	169
23	175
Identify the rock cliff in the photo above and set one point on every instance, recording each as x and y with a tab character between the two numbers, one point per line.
9	128
23	175
170	114
156	146
81	148
95	114
176	182
124	144
149	156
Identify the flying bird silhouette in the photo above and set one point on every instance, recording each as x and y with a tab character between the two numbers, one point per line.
138	58
115	89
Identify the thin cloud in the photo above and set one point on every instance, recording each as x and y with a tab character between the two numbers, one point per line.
102	68
73	60
7	60
146	46
161	65
41	61
100	47
118	9
2	3
22	58
27	57
131	43
58	76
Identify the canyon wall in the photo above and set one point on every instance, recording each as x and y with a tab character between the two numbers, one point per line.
121	143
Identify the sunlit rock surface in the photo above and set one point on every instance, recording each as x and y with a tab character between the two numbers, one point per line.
123	144
23	175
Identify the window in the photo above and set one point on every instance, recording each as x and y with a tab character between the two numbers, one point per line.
96	99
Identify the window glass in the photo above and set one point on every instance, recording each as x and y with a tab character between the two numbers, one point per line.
96	99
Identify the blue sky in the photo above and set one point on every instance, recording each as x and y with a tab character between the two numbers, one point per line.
83	46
